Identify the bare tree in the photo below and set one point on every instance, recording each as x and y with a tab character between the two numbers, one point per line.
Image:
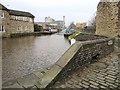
93	21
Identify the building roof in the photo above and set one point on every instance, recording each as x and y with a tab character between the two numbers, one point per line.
20	13
16	12
59	21
46	22
2	7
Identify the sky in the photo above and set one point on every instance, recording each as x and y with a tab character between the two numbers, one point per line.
73	10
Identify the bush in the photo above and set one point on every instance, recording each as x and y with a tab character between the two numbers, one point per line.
74	34
37	28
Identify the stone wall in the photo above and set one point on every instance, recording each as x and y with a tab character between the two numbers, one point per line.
108	19
78	55
5	22
11	25
17	26
119	20
85	37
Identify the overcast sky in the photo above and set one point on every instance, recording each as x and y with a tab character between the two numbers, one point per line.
73	10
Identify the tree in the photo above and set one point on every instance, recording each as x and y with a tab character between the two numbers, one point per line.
93	21
37	28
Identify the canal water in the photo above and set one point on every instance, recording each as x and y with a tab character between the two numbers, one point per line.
24	55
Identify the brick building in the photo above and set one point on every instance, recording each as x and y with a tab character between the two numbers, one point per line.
14	21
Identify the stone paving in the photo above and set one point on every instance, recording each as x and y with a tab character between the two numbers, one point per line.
25	82
102	75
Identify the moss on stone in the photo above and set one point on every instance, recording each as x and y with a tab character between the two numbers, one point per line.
74	34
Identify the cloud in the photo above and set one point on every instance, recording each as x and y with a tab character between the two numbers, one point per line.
72	9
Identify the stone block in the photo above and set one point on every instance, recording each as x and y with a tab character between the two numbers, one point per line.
86	83
16	85
9	83
34	88
102	87
93	86
101	78
28	80
38	74
83	85
49	76
103	83
113	79
94	83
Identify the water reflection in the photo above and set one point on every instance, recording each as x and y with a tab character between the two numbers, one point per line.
24	55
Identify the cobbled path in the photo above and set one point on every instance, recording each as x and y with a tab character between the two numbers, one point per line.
100	75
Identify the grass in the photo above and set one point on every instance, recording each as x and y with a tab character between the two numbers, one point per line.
74	34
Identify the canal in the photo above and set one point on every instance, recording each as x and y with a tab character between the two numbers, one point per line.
24	55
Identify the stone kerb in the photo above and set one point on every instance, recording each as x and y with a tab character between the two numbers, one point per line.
78	55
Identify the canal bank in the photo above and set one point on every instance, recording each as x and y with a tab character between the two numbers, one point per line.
22	56
14	35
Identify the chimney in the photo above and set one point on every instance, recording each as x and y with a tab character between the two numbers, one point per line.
64	20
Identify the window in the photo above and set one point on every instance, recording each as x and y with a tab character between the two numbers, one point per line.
16	17
26	28
25	19
30	20
19	28
1	14
2	29
13	17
